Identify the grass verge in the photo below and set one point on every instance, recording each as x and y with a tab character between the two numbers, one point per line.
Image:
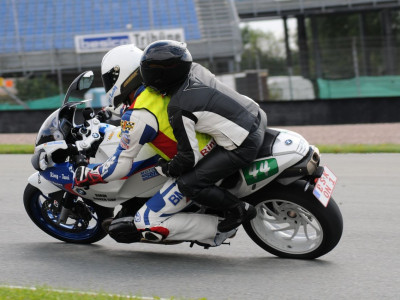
40	293
16	149
356	148
360	148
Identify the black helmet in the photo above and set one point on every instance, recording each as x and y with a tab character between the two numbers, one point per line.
165	65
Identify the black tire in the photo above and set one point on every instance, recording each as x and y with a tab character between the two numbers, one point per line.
299	209
92	234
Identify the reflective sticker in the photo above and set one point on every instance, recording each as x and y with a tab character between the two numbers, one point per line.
260	170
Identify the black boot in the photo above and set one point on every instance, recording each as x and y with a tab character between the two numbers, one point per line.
238	214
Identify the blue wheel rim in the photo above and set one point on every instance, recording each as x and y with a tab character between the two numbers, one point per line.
56	229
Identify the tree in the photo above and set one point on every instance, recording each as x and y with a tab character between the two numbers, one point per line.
342	49
262	50
36	88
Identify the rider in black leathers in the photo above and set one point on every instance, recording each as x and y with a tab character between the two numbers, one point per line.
199	102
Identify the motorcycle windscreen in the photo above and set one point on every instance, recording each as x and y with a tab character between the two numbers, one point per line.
49	131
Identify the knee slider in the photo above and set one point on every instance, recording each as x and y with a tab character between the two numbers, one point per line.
123	230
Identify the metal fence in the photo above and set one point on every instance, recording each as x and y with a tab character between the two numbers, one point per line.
259	8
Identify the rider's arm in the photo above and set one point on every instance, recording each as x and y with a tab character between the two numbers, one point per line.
183	124
138	127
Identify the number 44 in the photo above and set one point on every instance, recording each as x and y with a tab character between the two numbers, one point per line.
264	168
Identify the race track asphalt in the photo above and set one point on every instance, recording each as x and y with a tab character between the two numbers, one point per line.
365	264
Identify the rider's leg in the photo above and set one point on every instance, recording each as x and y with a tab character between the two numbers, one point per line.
199	183
161	218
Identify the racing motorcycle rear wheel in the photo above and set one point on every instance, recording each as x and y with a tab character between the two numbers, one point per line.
83	225
292	223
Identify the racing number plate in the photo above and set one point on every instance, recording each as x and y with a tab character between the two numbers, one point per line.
324	187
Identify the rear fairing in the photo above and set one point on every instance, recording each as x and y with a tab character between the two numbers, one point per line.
289	148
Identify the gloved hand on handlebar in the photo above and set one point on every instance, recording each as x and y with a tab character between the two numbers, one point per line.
85	176
162	167
104	115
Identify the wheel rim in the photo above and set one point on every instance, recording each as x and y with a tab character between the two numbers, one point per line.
72	229
287	227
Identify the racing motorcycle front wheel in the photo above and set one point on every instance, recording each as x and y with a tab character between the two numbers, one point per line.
82	226
292	223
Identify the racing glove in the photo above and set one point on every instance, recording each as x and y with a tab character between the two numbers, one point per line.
104	115
162	167
84	177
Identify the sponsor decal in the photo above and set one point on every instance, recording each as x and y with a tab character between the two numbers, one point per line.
138	217
125	138
110	97
288	142
95	135
59	185
119	134
127	125
104	199
107	165
110	136
207	148
38	179
101	195
81	192
64	177
175	197
148	174
260	170
106	41
123	145
53	143
59	176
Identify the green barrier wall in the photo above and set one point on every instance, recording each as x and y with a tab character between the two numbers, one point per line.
45	103
382	86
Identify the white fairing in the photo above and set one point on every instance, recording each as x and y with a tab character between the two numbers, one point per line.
142	184
289	148
42	184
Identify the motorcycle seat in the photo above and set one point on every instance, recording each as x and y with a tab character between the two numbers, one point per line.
269	140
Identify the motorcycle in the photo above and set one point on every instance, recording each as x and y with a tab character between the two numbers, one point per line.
296	214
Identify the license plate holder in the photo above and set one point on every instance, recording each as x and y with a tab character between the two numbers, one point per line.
324	186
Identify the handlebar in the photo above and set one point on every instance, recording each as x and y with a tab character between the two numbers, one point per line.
93	126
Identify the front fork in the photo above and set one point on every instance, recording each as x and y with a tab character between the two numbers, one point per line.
67	203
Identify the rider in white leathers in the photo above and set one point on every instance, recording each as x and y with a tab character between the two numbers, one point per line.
159	219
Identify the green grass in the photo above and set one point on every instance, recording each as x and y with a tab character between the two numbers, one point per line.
40	293
49	294
356	148
360	148
16	149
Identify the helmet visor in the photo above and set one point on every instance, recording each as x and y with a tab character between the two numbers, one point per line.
110	78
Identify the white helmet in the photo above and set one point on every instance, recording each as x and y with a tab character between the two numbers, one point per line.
120	73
